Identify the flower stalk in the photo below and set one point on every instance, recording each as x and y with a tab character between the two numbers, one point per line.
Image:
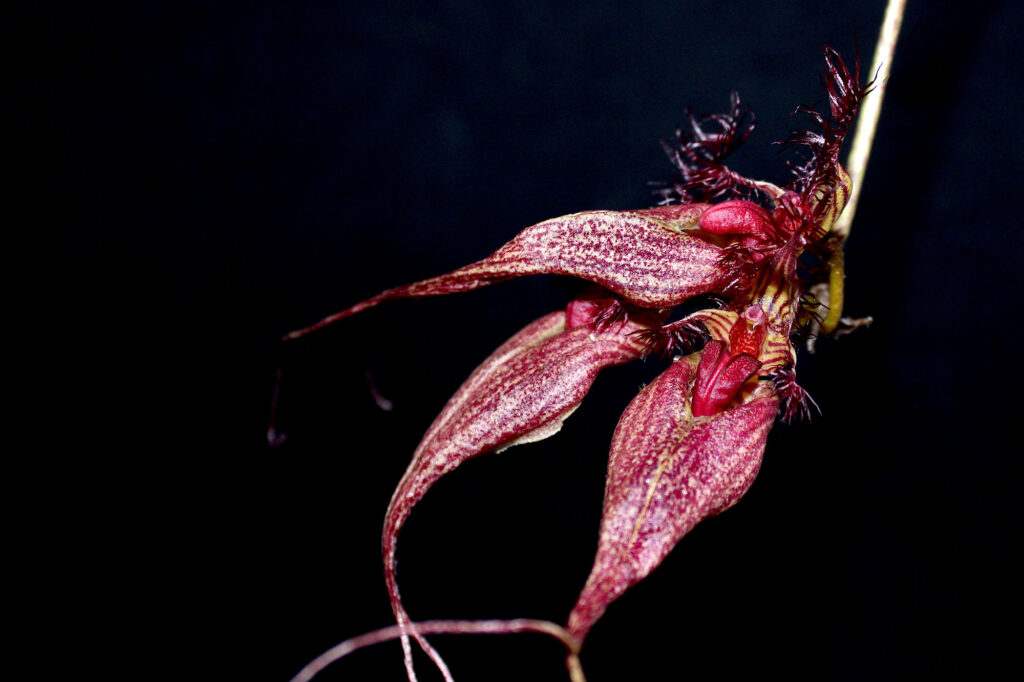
857	162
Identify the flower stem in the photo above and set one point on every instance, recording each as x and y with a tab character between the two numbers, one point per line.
860	151
867	123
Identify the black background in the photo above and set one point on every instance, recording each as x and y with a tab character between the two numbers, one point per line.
207	176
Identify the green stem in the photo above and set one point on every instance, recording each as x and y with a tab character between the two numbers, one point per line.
860	151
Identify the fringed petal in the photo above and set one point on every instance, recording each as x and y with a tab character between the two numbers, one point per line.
668	471
521	393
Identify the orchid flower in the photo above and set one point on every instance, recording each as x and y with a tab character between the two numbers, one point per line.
691	443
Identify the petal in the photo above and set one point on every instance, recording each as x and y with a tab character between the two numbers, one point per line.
652	258
521	393
668	471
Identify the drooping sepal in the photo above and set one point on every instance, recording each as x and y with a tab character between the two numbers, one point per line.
521	393
668	470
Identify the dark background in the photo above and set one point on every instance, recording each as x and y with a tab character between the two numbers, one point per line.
204	177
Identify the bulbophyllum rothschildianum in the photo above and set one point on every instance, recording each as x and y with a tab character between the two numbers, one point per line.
690	444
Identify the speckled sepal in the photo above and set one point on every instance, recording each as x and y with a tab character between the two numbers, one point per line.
668	470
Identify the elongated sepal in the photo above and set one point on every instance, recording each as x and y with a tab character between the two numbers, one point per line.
652	258
668	471
521	393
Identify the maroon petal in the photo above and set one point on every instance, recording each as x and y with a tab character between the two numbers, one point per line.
652	258
668	471
521	393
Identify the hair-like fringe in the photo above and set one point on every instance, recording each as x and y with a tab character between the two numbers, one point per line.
609	311
698	153
679	337
844	97
794	400
739	262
